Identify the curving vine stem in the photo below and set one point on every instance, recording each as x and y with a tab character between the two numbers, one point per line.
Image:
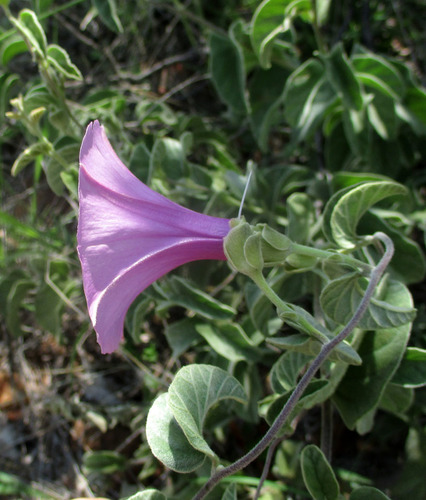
326	349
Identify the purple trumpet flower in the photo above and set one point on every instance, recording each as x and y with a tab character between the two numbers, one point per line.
129	236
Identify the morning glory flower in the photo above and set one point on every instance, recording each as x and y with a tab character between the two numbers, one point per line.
129	236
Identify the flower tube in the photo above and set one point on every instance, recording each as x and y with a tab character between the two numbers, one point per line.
129	236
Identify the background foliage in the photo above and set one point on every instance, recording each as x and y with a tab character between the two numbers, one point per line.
326	102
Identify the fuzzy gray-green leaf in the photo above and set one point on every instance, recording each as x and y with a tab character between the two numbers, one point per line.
342	296
351	206
195	389
318	475
167	440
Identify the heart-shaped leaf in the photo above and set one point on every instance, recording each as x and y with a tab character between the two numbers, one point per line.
346	207
318	475
194	390
342	296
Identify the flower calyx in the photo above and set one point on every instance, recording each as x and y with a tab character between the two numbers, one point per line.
251	248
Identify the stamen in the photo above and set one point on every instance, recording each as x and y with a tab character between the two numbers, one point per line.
250	167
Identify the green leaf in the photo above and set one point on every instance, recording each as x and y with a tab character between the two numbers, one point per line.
13	487
381	352
167	441
7	82
356	130
7	220
412	370
382	116
230	341
345	209
180	292
316	393
140	161
148	494
342	77
376	72
415	104
194	390
60	60
266	94
286	370
307	97
29	26
12	48
301	217
107	10
227	72
342	296
181	335
15	301
168	157
105	462
301	320
48	308
29	155
368	493
67	149
267	24
318	475
406	250
396	399
322	7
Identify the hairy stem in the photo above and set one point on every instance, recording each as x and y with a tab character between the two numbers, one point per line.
267	466
326	349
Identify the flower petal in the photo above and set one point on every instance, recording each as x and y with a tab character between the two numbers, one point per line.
129	236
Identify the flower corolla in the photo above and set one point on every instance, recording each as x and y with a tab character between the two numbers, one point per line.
129	236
